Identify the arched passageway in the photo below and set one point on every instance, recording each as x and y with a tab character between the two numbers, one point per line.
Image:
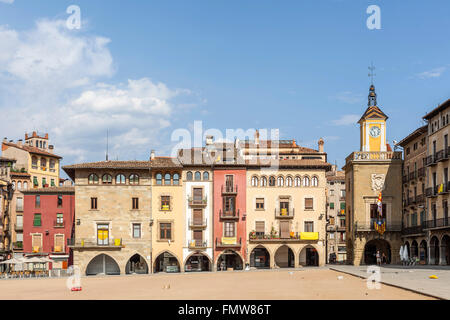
260	258
136	265
372	247
284	257
309	257
102	264
197	262
166	262
229	260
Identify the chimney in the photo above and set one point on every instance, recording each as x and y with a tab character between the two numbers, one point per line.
50	148
152	155
209	140
321	143
257	137
19	142
5	140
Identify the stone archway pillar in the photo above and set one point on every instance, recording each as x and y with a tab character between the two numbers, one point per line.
442	254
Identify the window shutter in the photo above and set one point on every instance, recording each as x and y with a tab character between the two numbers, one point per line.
260	226
284	229
308	203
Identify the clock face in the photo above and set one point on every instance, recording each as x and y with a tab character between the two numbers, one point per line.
374	132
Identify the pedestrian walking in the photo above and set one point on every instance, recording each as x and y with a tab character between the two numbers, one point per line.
378	258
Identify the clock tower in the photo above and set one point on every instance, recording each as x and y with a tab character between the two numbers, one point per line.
373	126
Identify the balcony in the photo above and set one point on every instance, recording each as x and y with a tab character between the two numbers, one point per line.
331	227
431	192
228	190
229	215
58	249
227	242
412	230
18	227
442	188
442	223
420	198
370	227
197	244
341	228
277	238
95	244
18	245
431	160
366	156
58	224
421	173
284	213
412	175
439	156
37	249
197	202
197	223
405	179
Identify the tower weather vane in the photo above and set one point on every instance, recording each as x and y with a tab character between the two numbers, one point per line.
371	73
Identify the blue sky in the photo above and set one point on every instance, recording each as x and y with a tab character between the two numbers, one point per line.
145	68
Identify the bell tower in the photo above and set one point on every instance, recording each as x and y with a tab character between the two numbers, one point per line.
373	126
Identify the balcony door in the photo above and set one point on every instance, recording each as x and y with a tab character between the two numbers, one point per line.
198	217
198	195
284	229
229	183
103	234
284	208
198	237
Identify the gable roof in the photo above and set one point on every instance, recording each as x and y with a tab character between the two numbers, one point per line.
373	112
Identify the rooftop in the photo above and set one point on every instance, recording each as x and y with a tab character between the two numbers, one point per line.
51	190
29	149
436	110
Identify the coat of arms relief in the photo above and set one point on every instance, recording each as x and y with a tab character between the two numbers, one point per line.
378	182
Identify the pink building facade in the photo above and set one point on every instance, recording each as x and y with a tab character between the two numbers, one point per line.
48	221
229	218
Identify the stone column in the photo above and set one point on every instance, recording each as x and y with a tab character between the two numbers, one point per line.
442	249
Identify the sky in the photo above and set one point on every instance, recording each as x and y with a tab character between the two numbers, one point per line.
143	69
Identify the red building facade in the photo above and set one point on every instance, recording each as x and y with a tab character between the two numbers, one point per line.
48	221
229	218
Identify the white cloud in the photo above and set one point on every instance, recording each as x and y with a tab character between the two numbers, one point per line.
54	80
7	1
346	120
349	97
434	73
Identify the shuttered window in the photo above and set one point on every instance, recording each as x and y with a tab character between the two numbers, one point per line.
331	205
309	203
37	220
59	243
260	228
198	216
36	242
309	226
284	229
259	203
198	195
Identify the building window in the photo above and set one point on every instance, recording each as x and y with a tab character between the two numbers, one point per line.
120	179
59	219
297	181
19	185
272	182
280	181
306	181
229	204
37	220
165	203
34	162
189	176
289	182
167	179
58	243
342	207
165	231
314	181
107	179
198	176
93	179
159	179
176	179
52	183
44	182
93	203
25	185
103	234
60	201
230	230
259	228
37	202
52	165
43	164
134	179
19	204
254	181
135	203
136	230
263	182
331	205
205	176
309	226
309	204
259	203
